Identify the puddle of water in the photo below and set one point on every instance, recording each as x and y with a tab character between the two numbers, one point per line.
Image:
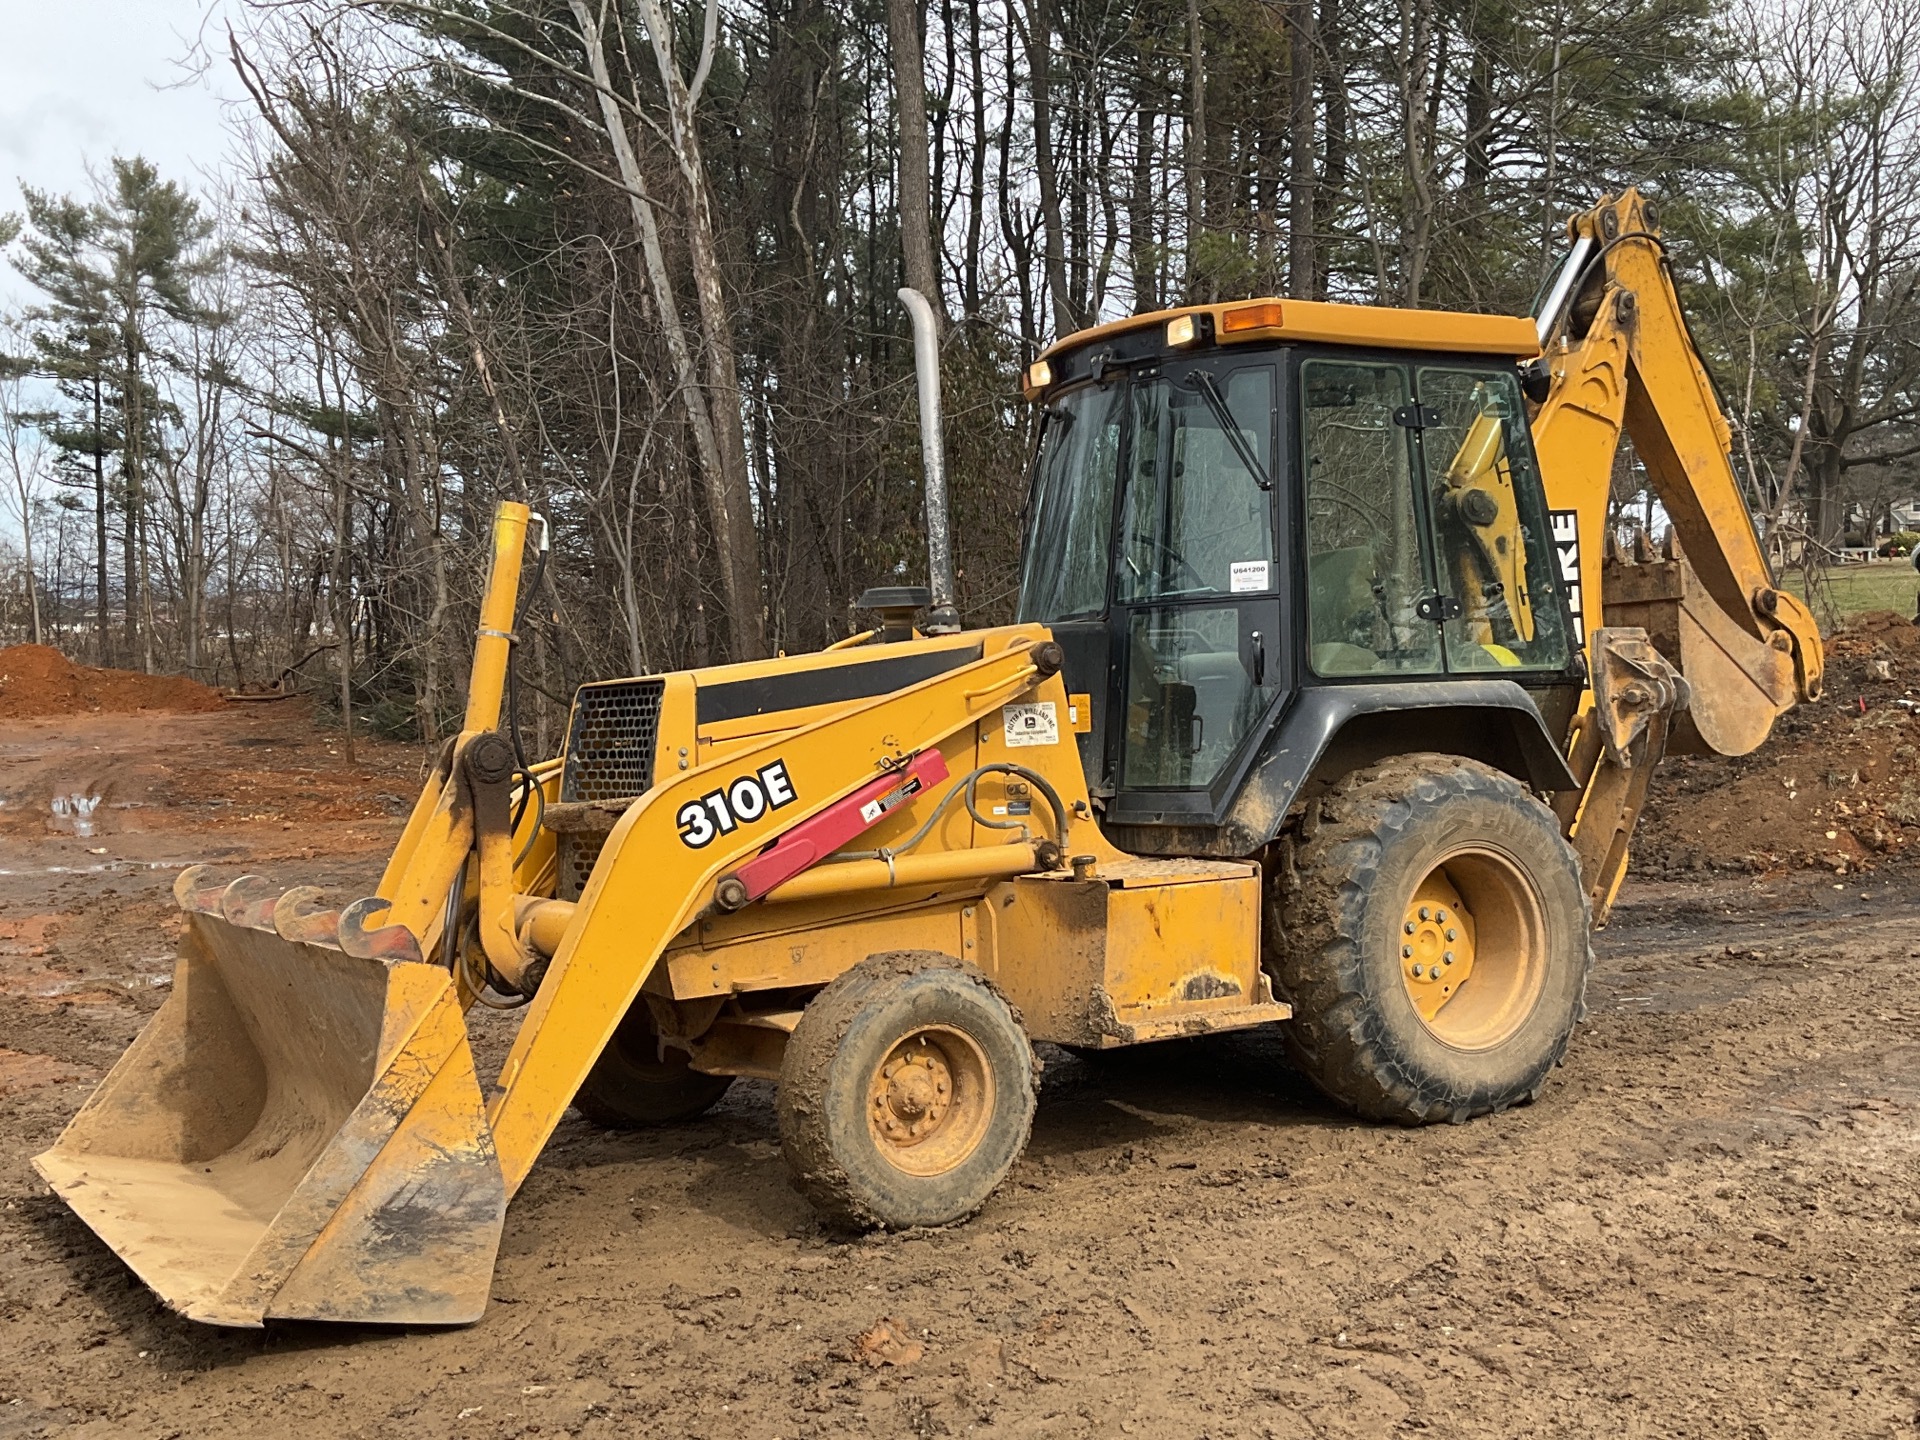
74	812
122	867
76	987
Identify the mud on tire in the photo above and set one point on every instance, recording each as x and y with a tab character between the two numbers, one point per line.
906	1094
1343	892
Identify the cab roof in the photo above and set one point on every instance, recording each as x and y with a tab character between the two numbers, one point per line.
1272	319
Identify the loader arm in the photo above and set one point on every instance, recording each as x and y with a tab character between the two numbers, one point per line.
658	868
1696	647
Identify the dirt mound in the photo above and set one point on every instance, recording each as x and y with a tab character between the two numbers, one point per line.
1836	786
37	680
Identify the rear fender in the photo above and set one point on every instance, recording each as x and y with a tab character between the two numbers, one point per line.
1331	729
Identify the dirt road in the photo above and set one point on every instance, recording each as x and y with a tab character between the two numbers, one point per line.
1709	1225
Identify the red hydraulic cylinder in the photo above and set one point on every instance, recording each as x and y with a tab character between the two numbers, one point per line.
812	841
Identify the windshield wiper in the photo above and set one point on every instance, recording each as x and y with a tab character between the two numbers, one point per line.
1202	381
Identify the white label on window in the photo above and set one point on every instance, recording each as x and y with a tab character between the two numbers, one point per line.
1247	575
1033	724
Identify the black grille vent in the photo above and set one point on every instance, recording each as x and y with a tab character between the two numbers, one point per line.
611	741
578	855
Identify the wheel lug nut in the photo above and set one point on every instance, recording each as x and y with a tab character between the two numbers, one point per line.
1452	935
1448	957
1418	971
1426	913
1441	916
1406	952
1409	927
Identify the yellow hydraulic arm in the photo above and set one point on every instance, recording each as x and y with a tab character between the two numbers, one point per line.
305	1109
651	881
1697	647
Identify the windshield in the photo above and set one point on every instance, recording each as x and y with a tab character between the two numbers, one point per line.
1065	576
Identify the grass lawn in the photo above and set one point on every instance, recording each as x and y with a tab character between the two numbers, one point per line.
1850	589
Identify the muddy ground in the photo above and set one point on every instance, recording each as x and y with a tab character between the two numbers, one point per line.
1708	1226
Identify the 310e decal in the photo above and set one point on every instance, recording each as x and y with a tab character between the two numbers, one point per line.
740	801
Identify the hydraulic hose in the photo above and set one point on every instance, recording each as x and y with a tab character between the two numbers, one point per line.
965	792
513	675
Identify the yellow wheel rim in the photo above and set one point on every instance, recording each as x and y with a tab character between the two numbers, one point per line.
1473	949
929	1102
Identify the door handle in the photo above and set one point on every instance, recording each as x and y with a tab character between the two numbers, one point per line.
1259	659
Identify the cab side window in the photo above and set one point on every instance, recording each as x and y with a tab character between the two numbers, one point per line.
1490	528
1065	574
1365	567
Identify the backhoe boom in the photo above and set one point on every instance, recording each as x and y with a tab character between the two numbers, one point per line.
1619	356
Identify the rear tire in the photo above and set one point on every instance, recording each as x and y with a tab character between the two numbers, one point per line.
1353	940
637	1083
906	1093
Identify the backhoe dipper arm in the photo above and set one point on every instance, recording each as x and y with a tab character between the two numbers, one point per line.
1619	356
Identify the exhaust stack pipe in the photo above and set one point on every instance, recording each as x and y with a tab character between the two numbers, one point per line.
945	618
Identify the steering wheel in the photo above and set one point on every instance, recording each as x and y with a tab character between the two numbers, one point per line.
1167	551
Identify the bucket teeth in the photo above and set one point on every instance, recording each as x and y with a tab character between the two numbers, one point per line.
301	915
385	942
197	891
248	902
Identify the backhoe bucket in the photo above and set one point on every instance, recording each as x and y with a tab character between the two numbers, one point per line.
1738	684
298	1133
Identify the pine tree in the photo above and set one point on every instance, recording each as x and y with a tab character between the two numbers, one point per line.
73	343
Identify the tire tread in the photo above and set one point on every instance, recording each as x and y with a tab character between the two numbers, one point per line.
1325	868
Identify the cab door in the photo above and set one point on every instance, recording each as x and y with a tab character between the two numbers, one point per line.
1427	544
1196	612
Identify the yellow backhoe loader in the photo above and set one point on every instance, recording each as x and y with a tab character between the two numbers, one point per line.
1327	705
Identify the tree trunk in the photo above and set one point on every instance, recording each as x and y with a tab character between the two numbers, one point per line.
721	447
1300	167
1479	120
1142	259
26	546
1196	145
130	502
916	201
100	530
1336	119
741	572
1419	86
977	178
1039	64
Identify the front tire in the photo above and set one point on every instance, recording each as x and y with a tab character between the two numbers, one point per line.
637	1083
906	1093
1429	926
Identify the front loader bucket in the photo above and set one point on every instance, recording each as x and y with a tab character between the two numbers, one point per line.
298	1133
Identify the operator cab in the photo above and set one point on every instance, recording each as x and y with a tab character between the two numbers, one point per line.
1234	504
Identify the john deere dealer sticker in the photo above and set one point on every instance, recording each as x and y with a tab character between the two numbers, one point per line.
1034	724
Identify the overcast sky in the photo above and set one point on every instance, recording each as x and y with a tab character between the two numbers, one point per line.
84	80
